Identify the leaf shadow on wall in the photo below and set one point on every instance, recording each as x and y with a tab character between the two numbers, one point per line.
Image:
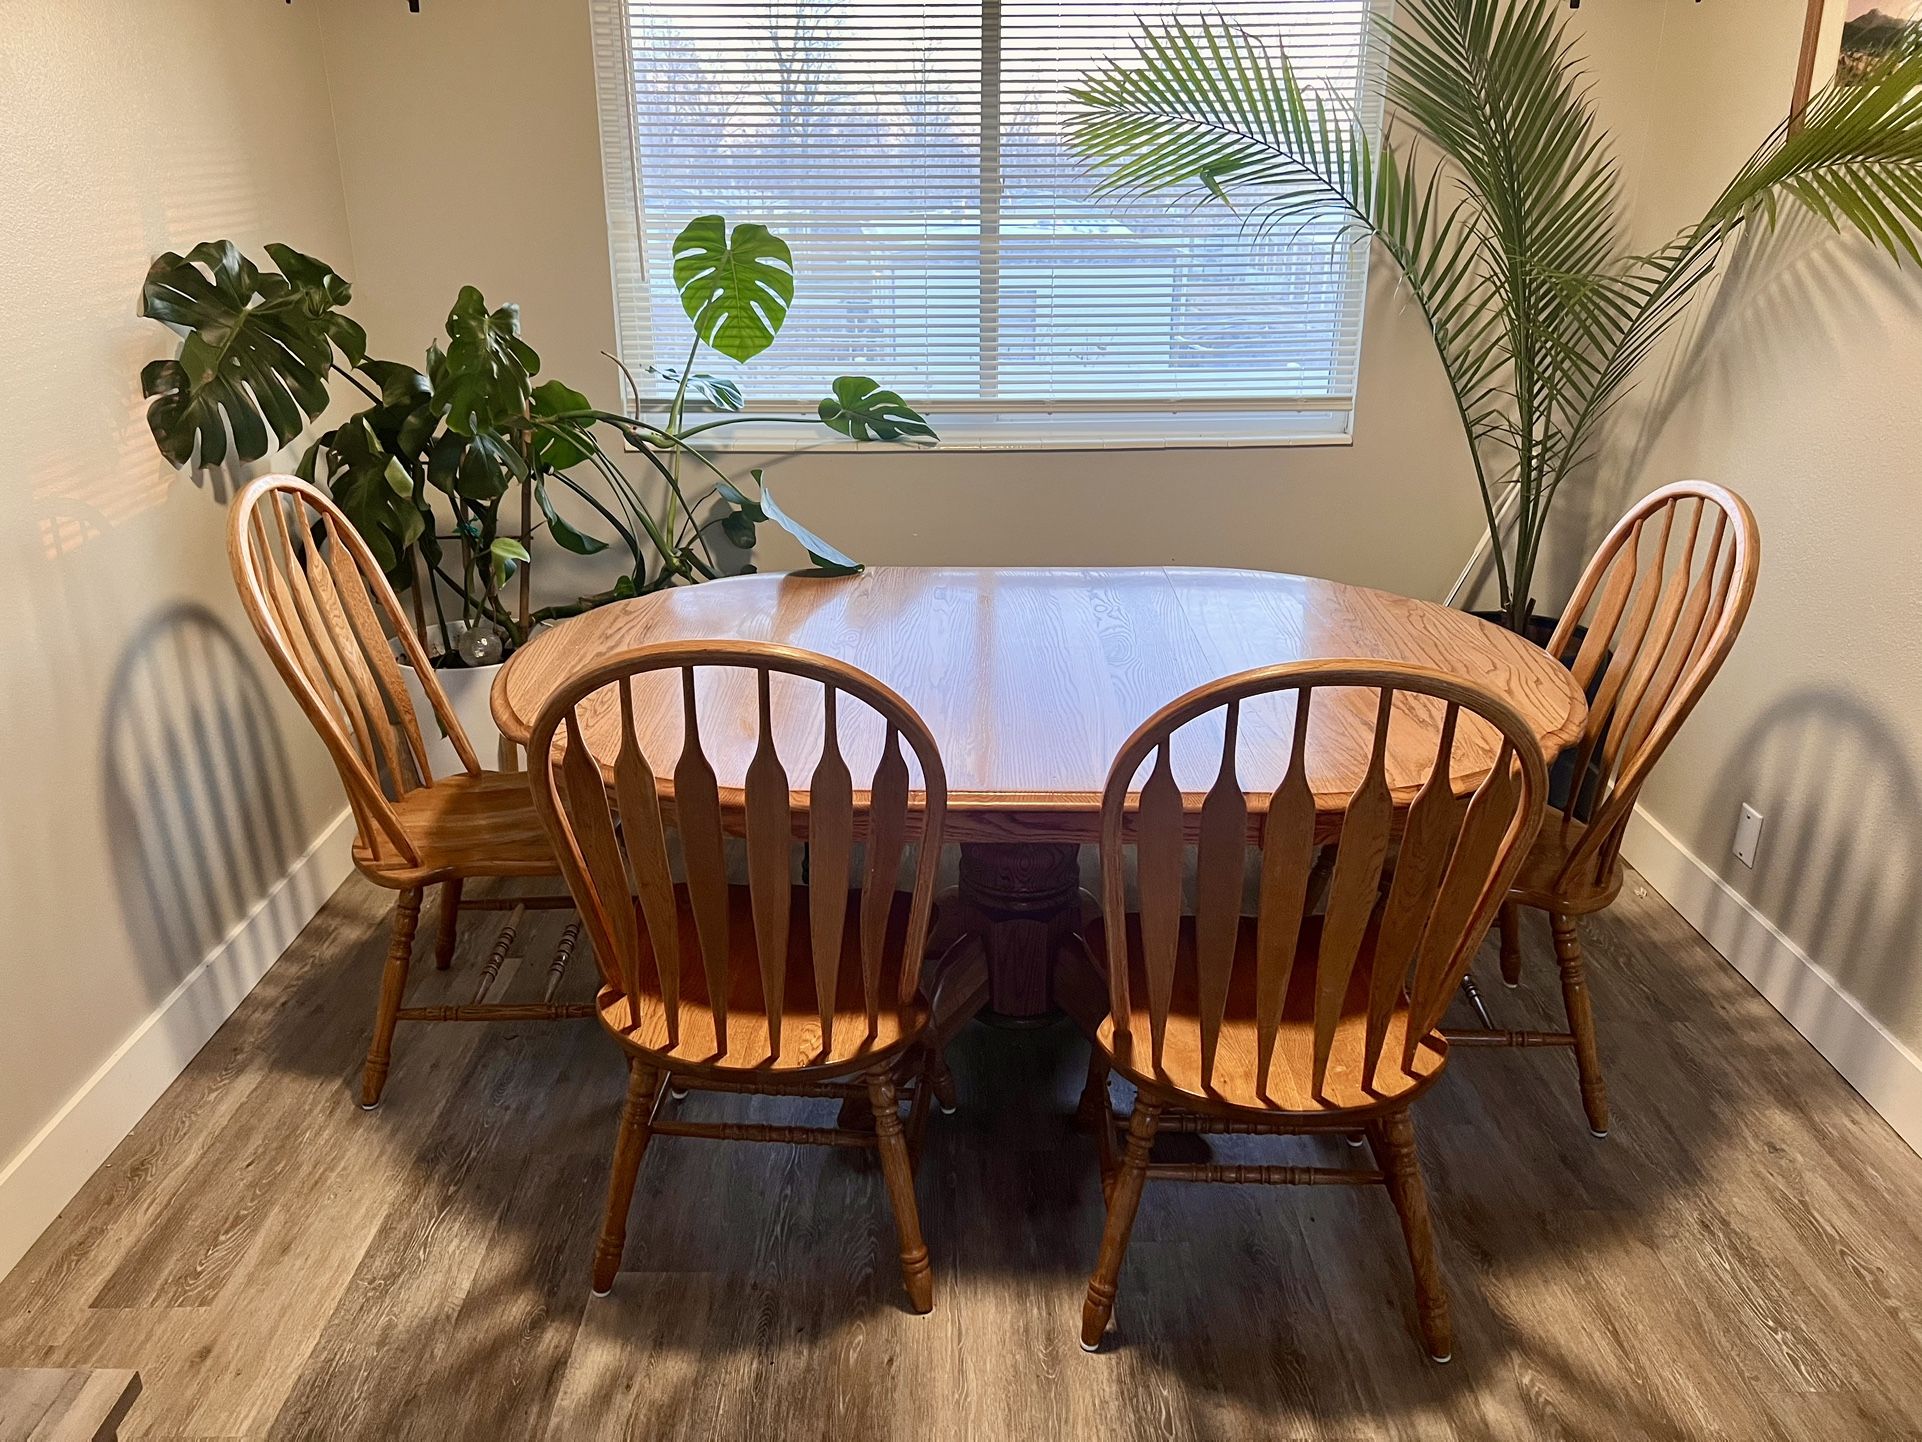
198	792
1785	300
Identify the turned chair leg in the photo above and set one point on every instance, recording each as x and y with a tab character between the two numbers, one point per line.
1511	928
918	1108
1133	1175
1581	1022
916	1274
393	983
449	922
943	1080
1094	1115
1394	1143
630	1143
1094	1095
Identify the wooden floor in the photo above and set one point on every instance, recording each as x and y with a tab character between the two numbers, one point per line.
1742	1259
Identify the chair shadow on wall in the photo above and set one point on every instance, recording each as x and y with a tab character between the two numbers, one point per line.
198	793
1841	859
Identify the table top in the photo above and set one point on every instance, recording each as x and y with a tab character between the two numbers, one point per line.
1031	679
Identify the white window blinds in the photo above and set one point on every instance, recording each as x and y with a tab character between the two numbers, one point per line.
945	238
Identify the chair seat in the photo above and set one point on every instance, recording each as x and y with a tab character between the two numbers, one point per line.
1539	882
464	826
748	1048
1289	1090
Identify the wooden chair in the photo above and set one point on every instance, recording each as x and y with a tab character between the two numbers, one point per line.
328	618
1661	603
771	988
1291	1023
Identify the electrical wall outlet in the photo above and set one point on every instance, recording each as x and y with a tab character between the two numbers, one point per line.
1748	835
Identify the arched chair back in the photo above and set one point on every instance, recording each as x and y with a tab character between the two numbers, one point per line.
792	977
1662	602
327	616
1376	969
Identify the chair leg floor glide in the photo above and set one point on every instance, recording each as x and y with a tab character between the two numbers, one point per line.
630	1144
942	1082
1577	1008
1397	1169
1581	1024
1130	1177
917	1275
392	1008
393	985
1393	1139
895	1143
1511	934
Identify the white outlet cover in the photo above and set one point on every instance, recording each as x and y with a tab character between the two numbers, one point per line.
1748	835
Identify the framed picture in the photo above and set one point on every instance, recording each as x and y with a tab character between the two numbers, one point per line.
1871	31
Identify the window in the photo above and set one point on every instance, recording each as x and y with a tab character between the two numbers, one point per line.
945	239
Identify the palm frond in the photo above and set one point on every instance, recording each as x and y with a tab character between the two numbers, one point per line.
1494	192
1854	156
1213	113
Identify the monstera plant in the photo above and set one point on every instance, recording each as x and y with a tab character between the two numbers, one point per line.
1495	195
426	467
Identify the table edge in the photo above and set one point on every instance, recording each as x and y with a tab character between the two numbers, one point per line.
520	731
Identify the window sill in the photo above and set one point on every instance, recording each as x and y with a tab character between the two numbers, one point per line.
1065	431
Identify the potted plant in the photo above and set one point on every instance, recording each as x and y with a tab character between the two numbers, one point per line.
445	467
1495	194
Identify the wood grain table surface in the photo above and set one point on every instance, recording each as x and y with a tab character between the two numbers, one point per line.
1030	679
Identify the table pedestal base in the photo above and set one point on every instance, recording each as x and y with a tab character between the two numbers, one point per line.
1024	901
1004	949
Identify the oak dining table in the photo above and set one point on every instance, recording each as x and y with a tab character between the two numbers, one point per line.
1030	679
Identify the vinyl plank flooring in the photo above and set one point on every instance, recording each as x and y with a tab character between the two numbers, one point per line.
1741	1260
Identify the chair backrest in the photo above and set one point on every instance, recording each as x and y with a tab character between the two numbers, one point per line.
585	748
1415	925
1662	601
328	618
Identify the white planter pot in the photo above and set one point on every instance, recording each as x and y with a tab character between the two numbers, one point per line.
468	691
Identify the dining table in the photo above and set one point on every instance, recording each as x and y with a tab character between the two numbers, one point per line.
1031	679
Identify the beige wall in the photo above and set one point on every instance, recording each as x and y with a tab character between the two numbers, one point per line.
1799	387
155	784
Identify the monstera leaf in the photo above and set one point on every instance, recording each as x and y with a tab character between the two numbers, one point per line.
741	514
506	555
860	409
484	378
718	391
479	468
370	461
566	535
322	295
257	348
368	481
482	388
566	439
736	289
746	512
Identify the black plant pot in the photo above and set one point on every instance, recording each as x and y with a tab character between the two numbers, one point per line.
1561	776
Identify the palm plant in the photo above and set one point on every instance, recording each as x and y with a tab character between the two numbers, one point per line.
1494	191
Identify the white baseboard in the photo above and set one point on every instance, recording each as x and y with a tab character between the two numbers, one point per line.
1878	1065
46	1173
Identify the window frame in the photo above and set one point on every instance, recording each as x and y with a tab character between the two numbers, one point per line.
977	424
